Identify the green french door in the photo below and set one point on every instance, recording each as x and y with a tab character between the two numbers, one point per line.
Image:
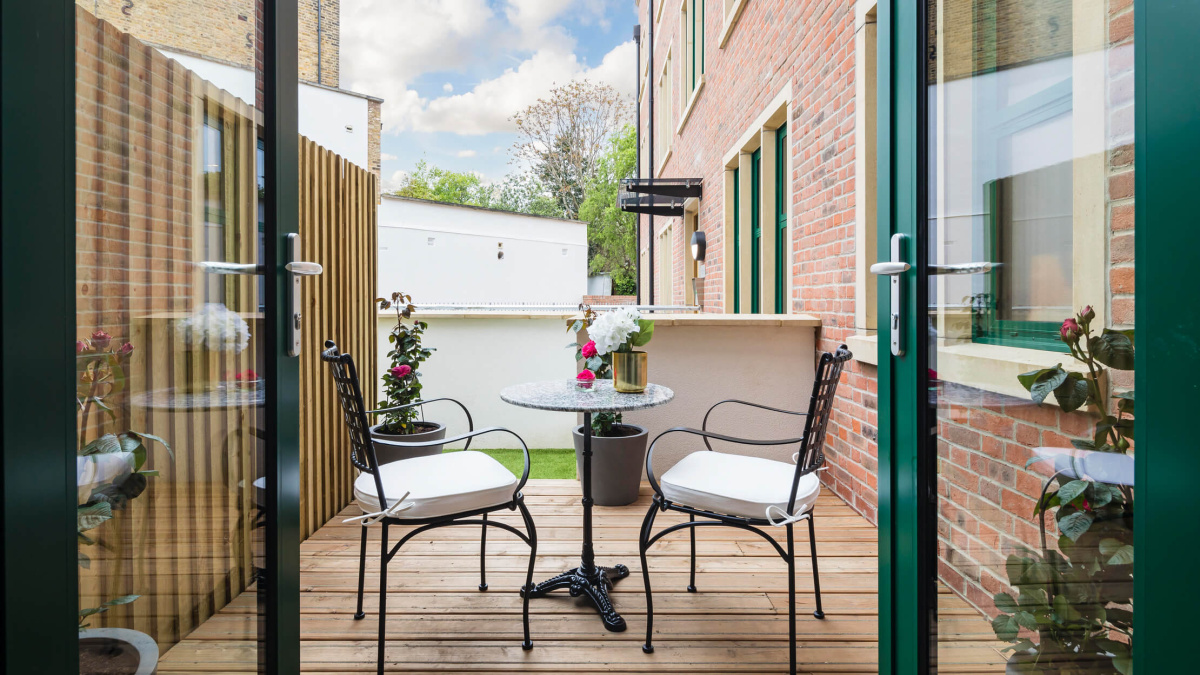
150	405
756	225
782	242
1034	166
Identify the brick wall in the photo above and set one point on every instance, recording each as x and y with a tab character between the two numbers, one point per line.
225	30
375	124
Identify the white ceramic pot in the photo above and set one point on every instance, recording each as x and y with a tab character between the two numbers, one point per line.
127	640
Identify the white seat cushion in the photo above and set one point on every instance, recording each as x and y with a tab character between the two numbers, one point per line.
439	485
737	485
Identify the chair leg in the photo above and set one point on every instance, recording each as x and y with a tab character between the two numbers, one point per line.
482	554
383	565
643	545
362	572
791	550
692	531
812	548
532	532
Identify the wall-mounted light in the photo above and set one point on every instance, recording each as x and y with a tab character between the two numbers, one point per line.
698	246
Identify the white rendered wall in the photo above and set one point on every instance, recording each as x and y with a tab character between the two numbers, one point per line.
769	362
440	253
324	114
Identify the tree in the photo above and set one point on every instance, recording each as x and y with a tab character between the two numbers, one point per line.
563	136
612	232
443	185
524	193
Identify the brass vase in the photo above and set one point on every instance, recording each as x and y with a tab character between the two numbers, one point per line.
629	372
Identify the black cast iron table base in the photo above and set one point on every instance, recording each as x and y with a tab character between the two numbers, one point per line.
595	585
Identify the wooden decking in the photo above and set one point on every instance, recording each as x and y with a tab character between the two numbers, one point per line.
439	621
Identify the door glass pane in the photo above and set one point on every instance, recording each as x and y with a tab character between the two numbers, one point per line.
169	310
1030	249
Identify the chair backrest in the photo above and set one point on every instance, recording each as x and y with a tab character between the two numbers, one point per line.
354	411
820	408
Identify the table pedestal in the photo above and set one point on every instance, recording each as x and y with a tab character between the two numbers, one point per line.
588	579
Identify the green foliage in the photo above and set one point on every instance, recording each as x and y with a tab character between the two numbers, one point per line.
612	233
402	382
1079	599
543	462
442	185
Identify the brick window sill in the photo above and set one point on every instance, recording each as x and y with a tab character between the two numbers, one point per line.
991	368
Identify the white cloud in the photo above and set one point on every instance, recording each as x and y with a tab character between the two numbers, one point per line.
387	157
466	153
388	44
394	181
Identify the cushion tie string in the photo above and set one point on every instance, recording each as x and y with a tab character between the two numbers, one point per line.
372	518
785	519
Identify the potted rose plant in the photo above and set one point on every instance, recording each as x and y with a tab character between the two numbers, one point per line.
109	474
618	449
1078	600
402	386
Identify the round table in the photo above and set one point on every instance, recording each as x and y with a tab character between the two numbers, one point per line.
588	579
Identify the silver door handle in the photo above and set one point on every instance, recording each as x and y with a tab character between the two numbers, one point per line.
894	268
964	268
220	267
296	268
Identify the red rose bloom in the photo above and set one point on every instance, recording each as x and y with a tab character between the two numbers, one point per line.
585	375
589	349
100	340
401	371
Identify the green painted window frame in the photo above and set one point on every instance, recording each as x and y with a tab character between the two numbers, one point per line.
986	326
781	219
756	231
737	241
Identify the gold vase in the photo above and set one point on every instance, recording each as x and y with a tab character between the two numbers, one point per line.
629	372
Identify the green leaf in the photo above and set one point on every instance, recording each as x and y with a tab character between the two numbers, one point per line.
104	445
1118	552
123	600
1127	395
1026	620
1123	664
1015	566
1112	348
572	345
1082	444
645	332
1072	393
1064	609
1069	492
1005	603
1006	627
1076	524
576	327
1027	379
92	515
84	561
595	363
1102	494
1046	382
152	437
91	610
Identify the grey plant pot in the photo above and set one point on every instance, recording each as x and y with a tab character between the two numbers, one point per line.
144	645
616	465
386	454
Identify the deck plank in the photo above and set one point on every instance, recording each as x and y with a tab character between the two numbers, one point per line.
438	622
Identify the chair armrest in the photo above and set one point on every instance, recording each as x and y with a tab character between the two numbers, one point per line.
705	435
468	435
704	423
470	422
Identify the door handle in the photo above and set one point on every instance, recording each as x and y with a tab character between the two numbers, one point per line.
296	269
895	268
220	267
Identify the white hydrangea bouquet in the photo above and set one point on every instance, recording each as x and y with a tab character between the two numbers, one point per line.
620	331
614	338
215	328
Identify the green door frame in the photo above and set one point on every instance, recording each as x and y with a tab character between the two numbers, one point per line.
782	243
37	292
756	225
1166	238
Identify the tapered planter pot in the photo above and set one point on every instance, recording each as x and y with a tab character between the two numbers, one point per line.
429	431
105	651
617	463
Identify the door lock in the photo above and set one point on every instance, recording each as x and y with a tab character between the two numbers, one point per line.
894	268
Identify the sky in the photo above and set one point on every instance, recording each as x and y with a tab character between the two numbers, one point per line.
452	72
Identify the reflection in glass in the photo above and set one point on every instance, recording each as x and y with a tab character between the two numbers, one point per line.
170	448
1030	169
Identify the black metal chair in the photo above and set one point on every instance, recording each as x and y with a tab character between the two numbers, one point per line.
429	492
747	492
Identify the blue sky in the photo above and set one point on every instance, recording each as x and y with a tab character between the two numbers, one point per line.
451	72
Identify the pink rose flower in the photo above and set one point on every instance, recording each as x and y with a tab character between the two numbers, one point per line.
81	347
126	349
1087	314
100	339
1070	331
585	375
401	371
246	376
589	349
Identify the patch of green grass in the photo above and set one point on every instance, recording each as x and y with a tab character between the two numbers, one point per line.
543	462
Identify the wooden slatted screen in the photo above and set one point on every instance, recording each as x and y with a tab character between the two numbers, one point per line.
338	230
